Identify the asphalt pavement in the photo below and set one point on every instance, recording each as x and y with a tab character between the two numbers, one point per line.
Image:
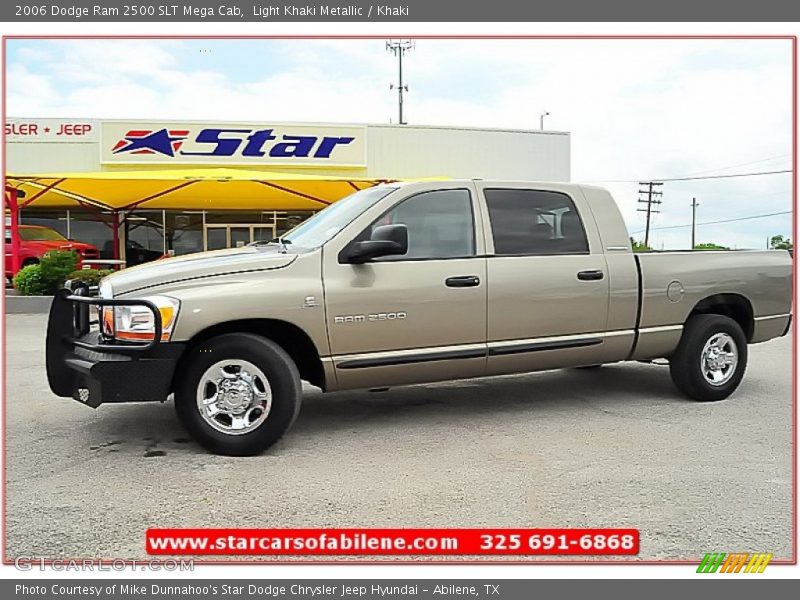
612	447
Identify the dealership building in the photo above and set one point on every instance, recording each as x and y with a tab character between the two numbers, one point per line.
140	189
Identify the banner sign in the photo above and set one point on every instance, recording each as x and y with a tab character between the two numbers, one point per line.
391	542
344	588
52	130
238	11
136	142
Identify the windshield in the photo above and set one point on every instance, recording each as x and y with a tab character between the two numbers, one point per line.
320	228
40	234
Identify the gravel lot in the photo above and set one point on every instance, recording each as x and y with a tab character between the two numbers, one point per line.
611	447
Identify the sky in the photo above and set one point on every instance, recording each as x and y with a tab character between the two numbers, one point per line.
636	109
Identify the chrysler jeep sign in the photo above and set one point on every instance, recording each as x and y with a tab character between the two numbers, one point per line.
232	144
51	130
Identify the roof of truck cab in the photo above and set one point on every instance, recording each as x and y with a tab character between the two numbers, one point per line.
490	182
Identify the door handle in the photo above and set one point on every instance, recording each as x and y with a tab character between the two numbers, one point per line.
462	281
593	275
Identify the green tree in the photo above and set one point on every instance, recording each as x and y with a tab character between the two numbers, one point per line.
710	246
639	246
778	242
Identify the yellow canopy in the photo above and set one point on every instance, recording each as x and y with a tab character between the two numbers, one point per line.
185	189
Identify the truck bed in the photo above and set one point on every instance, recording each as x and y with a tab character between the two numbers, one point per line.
672	284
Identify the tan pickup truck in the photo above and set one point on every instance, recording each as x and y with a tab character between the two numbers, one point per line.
405	284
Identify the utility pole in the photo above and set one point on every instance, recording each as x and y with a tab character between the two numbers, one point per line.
649	196
695	204
399	49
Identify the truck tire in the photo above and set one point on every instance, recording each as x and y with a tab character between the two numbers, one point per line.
711	358
237	393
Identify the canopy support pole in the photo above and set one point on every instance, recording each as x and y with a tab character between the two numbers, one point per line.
138	203
115	234
295	192
13	209
45	189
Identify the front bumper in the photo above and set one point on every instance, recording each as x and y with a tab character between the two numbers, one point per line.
82	365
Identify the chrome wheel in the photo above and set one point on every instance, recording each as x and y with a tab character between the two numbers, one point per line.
719	359
234	396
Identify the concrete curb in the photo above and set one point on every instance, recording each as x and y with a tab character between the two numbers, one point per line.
16	305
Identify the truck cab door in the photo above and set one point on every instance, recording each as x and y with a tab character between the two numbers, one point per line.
415	317
548	280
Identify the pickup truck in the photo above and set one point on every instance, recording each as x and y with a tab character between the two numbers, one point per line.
408	283
35	241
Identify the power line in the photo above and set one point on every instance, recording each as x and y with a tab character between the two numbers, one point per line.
775	214
698	178
751	197
752	162
728	176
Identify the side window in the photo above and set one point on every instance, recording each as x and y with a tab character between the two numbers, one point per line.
440	225
534	222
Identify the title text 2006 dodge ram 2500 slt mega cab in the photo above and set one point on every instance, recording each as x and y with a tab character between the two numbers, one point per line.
411	283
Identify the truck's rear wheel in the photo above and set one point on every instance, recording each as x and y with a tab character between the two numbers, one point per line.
711	358
238	393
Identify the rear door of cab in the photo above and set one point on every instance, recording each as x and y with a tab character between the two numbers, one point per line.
547	276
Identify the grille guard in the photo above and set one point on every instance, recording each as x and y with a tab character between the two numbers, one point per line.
83	365
78	297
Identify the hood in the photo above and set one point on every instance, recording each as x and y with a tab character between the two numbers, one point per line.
199	265
59	245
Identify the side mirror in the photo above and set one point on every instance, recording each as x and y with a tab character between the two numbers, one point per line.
386	240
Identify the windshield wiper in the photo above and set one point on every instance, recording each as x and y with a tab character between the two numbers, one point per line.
276	240
282	243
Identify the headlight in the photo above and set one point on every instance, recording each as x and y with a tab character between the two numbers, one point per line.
136	323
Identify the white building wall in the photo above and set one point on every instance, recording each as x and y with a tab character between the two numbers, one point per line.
45	157
412	151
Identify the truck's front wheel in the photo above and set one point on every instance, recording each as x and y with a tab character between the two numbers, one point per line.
711	358
237	393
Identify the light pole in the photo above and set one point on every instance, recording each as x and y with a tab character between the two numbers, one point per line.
695	204
399	49
541	120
